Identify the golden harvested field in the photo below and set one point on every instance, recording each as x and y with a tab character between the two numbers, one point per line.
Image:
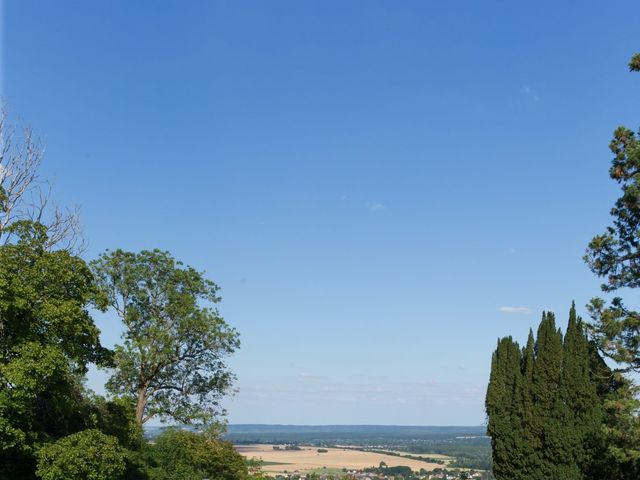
336	458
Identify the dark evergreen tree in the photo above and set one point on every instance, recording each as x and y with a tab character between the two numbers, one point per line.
501	407
530	442
545	388
579	395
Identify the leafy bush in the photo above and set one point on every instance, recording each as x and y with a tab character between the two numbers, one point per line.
87	455
185	455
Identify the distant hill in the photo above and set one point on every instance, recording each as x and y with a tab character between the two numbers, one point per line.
358	434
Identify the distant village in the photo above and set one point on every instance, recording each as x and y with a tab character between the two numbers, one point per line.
438	473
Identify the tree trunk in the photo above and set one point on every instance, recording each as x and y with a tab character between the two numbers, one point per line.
140	405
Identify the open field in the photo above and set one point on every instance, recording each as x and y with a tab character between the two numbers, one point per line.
308	459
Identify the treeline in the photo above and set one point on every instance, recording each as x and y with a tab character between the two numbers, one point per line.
467	453
479	461
365	435
397	471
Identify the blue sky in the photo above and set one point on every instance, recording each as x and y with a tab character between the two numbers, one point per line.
381	189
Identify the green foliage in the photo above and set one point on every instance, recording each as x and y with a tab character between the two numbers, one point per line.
44	297
47	337
547	408
87	455
116	417
383	469
529	439
622	431
501	406
39	399
172	360
581	407
545	405
185	455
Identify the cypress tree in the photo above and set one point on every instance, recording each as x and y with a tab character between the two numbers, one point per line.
546	386
583	415
501	406
530	442
603	461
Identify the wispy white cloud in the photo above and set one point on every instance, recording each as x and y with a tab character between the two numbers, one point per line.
310	377
516	310
375	206
530	93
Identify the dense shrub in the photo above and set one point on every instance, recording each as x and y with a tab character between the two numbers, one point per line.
185	455
87	455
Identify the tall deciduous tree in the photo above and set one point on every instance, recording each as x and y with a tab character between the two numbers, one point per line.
172	361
